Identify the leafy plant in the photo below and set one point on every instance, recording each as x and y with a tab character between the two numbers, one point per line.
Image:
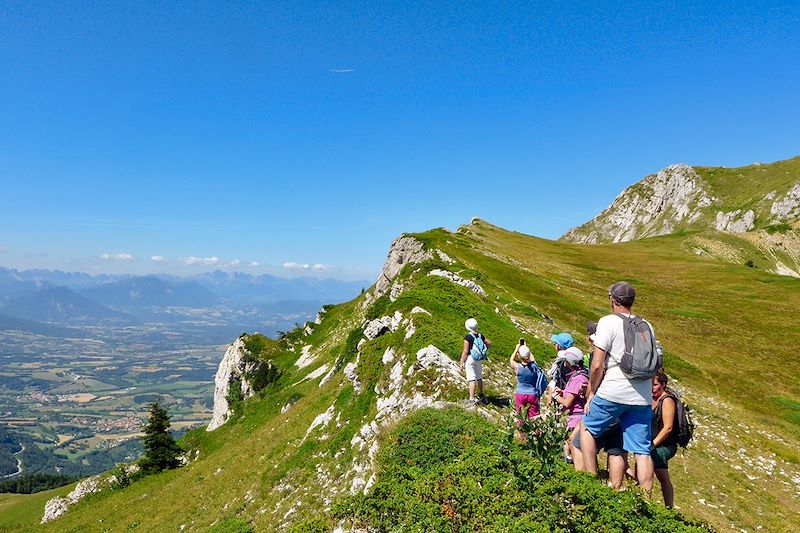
543	437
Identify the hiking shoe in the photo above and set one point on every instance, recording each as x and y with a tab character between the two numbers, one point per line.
471	401
482	400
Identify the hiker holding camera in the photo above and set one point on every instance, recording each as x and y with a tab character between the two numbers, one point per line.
531	381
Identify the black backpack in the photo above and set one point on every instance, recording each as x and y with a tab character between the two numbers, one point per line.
641	359
684	428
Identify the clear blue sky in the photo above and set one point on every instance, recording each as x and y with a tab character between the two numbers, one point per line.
218	130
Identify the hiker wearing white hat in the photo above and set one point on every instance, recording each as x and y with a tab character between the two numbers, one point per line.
531	381
472	357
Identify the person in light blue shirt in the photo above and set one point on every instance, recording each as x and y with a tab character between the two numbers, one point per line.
531	381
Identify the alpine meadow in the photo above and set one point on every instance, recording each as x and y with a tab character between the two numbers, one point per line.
357	421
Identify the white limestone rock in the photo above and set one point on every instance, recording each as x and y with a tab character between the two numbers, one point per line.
306	357
320	421
458	280
231	368
732	222
54	508
350	372
375	328
405	249
57	506
787	207
649	208
444	257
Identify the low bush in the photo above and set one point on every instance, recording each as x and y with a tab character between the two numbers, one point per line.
453	471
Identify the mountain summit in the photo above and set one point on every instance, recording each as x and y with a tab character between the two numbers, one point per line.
741	215
684	198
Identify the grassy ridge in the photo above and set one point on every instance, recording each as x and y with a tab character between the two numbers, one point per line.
724	326
744	187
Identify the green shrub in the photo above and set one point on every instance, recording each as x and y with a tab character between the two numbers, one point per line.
450	470
235	396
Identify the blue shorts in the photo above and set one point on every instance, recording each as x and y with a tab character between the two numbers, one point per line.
634	419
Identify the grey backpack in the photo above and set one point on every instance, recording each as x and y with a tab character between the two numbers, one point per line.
642	359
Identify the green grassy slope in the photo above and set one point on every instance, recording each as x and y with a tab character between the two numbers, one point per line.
772	243
727	330
745	187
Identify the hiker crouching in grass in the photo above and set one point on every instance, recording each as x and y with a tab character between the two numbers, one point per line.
472	357
613	395
665	441
531	381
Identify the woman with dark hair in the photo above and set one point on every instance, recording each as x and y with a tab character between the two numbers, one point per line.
664	430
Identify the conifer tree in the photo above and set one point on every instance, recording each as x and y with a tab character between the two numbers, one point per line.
160	449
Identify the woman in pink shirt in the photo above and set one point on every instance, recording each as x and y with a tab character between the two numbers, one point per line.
573	397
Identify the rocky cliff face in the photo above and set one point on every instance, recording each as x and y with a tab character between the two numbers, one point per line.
233	367
681	197
655	206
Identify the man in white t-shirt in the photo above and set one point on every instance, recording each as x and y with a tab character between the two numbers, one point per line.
613	396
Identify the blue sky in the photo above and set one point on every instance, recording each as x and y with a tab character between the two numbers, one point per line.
216	134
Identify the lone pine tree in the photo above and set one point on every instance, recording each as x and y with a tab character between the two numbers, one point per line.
160	449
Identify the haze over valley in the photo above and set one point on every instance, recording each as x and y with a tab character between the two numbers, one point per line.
82	357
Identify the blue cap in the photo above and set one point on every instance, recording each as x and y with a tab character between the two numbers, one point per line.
564	340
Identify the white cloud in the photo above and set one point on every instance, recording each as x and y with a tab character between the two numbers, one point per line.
317	267
233	264
126	258
158	259
255	264
206	261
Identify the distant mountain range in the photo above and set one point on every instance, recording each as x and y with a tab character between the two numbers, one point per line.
142	293
35	297
60	305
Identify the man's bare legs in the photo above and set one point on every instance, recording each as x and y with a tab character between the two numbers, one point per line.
588	451
644	472
617	464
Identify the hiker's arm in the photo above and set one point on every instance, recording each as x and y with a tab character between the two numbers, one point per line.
596	372
487	342
668	419
513	359
565	399
464	354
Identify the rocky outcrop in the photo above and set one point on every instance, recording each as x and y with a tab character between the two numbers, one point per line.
57	506
404	250
735	221
787	207
396	403
233	367
458	280
375	328
654	206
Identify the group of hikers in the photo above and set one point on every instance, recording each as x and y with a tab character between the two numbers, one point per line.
615	397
